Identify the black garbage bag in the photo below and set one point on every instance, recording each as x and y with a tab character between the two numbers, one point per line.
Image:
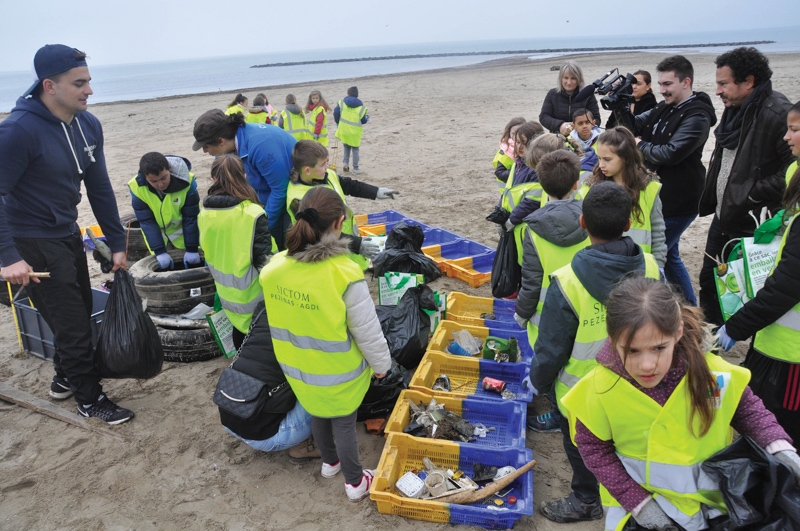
383	393
403	254
499	215
506	272
128	345
407	327
760	492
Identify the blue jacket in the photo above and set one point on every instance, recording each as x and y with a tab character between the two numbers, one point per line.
179	172
42	163
352	102
589	159
266	151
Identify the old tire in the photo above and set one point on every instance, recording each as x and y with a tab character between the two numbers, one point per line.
172	292
136	246
188	344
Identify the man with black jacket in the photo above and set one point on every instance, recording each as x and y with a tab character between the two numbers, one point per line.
673	135
748	166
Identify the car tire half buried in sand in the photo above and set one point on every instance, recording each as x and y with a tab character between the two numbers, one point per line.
188	344
172	292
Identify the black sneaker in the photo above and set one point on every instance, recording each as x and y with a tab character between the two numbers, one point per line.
59	388
105	409
547	423
571	509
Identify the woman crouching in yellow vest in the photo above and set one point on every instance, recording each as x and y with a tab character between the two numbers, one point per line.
621	161
659	404
310	161
325	332
235	237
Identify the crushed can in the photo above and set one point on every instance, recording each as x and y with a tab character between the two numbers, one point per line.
490	384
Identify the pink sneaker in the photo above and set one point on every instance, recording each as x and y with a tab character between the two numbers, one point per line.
330	471
358	493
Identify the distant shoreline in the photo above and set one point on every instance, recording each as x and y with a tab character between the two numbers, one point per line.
515	52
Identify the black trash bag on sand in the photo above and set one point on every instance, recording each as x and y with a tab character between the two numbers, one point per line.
506	271
406	326
760	492
383	393
128	345
403	254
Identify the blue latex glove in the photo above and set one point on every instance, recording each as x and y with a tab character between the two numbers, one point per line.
191	259
165	262
724	340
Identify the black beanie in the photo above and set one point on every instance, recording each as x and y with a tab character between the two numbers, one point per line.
352	91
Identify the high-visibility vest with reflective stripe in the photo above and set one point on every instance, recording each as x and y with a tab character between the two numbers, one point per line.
513	196
591	333
350	128
781	339
236	108
501	158
299	190
167	212
256	117
226	236
312	124
790	171
552	258
640	231
308	321
296	125
654	442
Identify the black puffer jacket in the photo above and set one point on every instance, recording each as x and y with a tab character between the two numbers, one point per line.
757	177
559	106
257	359
672	146
262	240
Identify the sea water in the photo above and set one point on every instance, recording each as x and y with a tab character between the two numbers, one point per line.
229	74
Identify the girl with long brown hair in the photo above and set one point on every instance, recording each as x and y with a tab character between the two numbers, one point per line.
659	404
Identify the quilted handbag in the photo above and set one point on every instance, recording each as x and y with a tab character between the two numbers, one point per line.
240	394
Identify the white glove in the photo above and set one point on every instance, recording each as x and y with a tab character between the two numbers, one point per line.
386	193
190	259
369	249
652	516
165	262
791	460
509	226
521	321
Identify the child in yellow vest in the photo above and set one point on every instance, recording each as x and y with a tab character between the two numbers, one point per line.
504	158
316	110
310	161
325	332
657	405
293	119
621	162
350	115
260	112
238	105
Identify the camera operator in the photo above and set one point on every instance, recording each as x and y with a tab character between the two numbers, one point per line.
672	138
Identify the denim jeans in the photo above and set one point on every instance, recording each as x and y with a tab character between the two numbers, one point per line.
347	150
674	269
294	429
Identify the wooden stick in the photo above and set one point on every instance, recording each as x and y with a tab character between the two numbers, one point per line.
26	400
34	274
494	487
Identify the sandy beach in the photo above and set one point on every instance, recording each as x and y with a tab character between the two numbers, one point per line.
432	135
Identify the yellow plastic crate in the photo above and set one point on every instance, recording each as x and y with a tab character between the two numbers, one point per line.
444	334
468	309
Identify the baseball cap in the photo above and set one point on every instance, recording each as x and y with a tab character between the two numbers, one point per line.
53	59
209	128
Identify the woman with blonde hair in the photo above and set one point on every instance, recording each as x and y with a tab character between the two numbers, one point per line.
560	102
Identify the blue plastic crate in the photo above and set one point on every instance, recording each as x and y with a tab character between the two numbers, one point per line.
463	248
437	236
379	217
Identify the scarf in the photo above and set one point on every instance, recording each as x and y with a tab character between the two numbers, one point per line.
729	129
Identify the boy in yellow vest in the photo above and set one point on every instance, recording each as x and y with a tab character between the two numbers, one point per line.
573	329
350	115
552	237
166	203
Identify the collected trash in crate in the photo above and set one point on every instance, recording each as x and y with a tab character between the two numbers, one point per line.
464	344
499	349
436	422
442	383
497	386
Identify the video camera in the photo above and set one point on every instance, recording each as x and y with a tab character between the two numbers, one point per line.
616	89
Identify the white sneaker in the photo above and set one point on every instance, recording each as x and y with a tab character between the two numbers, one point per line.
330	471
356	494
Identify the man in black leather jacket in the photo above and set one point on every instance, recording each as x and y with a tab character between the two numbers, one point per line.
748	166
673	135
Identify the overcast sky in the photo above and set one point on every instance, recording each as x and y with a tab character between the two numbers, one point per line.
133	31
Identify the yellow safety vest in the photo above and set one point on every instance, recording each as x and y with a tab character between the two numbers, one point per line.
312	123
308	321
233	109
350	127
256	117
298	190
167	212
640	232
501	158
781	339
790	171
552	258
513	196
591	333
295	124
655	444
